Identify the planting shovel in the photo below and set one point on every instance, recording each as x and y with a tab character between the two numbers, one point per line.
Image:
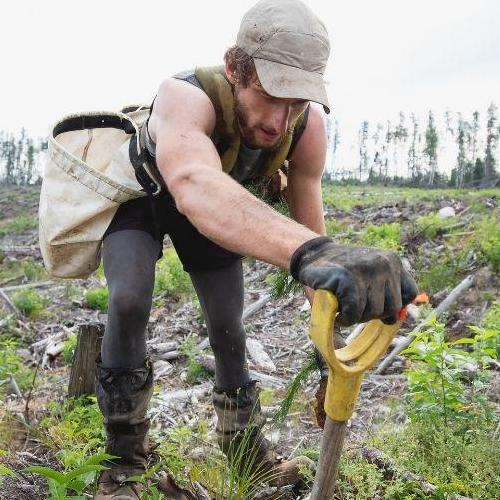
346	370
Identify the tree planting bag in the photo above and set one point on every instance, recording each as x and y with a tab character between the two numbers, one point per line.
87	175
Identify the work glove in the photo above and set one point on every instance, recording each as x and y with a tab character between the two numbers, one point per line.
368	283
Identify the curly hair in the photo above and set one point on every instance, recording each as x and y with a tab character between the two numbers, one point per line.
244	67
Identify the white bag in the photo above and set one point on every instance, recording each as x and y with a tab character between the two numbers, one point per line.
88	174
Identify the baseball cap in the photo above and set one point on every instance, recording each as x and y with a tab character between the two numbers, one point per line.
290	49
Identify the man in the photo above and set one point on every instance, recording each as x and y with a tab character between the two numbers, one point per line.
210	131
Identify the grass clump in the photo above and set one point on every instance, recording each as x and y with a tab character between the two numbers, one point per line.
73	428
12	365
21	223
97	298
333	226
194	370
30	302
448	437
430	225
442	271
69	348
487	240
386	236
171	279
32	270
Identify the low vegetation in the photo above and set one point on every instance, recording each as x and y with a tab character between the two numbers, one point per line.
442	427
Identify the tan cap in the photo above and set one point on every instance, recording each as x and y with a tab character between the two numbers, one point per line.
290	48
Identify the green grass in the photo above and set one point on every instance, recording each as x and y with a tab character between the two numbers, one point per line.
385	236
12	364
18	224
30	302
73	428
432	223
97	298
32	270
461	466
487	240
194	370
170	278
347	197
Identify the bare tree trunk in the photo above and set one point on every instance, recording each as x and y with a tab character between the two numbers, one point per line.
82	377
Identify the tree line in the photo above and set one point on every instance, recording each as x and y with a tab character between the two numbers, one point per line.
408	152
19	158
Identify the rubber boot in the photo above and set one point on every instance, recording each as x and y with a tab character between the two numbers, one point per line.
240	437
123	397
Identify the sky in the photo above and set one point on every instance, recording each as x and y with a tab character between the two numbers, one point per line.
59	57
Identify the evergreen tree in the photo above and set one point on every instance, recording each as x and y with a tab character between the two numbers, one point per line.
491	144
414	150
462	156
430	150
363	150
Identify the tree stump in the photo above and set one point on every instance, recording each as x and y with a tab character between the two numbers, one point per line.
82	377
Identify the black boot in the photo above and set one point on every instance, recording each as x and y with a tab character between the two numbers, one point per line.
123	397
240	437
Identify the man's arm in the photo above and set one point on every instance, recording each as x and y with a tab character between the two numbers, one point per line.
305	172
181	124
229	215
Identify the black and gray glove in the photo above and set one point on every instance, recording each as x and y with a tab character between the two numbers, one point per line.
369	283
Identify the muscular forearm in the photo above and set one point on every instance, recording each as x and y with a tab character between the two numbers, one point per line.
229	215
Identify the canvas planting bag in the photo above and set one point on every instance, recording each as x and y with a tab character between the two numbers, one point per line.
88	174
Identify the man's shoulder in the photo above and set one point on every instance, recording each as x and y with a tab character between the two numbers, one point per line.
180	101
312	142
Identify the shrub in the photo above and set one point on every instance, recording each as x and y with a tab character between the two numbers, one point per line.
386	236
170	277
69	348
29	301
436	380
12	364
488	241
282	284
32	270
432	223
333	226
97	298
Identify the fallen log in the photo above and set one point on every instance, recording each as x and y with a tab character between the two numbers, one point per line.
8	303
259	355
255	306
33	284
208	362
169	398
404	342
163	347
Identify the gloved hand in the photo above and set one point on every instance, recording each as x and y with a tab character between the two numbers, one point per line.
368	283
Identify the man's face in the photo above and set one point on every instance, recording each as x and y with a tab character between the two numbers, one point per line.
263	120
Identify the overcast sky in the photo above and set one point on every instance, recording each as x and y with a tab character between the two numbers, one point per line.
388	55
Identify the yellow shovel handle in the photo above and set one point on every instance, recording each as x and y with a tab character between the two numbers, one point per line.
347	365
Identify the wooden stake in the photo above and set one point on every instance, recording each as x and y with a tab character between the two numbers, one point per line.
82	377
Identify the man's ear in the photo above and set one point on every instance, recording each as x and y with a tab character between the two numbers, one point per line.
230	73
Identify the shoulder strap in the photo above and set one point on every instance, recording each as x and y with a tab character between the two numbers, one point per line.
298	131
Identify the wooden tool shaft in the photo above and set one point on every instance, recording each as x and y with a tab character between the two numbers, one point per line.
329	458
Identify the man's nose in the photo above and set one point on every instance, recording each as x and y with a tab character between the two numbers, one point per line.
279	115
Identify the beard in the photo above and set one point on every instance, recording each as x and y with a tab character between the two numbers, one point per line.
249	133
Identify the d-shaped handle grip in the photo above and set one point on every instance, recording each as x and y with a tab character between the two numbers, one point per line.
346	365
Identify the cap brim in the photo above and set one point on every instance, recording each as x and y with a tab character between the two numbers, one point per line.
281	80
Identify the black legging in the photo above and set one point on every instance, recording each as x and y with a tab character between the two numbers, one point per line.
129	266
